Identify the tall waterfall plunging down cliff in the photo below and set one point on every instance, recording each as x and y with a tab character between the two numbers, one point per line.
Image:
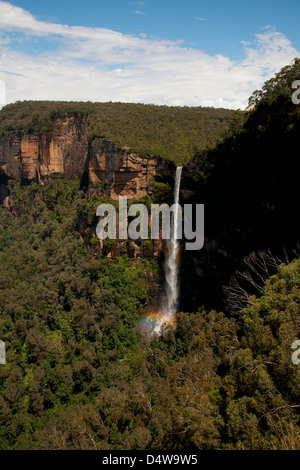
170	300
172	260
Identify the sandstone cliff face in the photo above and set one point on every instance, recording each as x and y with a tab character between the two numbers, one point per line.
121	172
66	150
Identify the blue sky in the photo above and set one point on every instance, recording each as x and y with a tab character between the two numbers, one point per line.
209	53
223	23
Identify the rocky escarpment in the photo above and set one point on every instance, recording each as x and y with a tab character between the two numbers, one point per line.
32	156
121	172
67	150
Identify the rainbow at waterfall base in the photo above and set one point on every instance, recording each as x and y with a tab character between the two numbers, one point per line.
155	323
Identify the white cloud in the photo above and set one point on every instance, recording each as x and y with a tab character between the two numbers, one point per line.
199	18
2	94
99	64
138	12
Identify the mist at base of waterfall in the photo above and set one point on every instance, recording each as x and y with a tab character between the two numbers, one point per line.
155	323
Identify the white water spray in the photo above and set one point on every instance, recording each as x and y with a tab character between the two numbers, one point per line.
170	302
172	261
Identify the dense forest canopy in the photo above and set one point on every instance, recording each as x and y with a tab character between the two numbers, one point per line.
175	133
80	376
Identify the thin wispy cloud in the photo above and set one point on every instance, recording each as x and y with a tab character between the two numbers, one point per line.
138	12
99	64
199	18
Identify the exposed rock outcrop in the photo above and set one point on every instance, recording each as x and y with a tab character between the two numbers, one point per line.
32	156
121	172
67	150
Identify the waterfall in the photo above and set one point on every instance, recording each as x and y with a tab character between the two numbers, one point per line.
172	260
153	322
171	267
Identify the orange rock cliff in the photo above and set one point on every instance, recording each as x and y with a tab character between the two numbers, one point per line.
67	150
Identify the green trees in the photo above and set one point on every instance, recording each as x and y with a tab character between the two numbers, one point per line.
66	314
174	133
276	88
80	376
262	386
